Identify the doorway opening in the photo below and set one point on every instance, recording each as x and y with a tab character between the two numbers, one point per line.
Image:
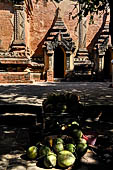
59	63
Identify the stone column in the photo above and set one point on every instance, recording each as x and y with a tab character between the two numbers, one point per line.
96	60
45	57
19	26
50	73
111	58
82	31
51	62
82	55
67	61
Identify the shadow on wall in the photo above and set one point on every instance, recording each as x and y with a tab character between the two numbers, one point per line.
94	40
39	50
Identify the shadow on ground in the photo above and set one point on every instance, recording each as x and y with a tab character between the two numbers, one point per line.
20	111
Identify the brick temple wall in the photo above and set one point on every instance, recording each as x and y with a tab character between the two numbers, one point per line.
39	24
36	28
15	77
43	16
42	19
6	25
93	29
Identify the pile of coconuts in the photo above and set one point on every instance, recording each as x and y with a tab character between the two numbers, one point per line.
65	148
60	151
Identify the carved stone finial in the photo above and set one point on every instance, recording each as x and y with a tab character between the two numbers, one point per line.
29	7
58	12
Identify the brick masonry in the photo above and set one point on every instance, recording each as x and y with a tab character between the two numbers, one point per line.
6	25
40	23
14	77
36	28
43	16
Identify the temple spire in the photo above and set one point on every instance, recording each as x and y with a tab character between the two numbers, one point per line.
29	7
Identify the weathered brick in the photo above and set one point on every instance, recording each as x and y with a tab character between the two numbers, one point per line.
36	28
14	77
6	27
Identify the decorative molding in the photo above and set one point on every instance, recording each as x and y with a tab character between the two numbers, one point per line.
58	36
19	26
7	54
67	44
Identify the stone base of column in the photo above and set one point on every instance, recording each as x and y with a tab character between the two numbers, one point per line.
18	45
50	76
82	54
82	63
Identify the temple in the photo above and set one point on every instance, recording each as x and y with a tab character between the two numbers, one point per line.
42	41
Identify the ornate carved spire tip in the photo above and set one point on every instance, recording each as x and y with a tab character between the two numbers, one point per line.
29	6
58	12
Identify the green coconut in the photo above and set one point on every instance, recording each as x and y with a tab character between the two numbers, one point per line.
75	123
81	148
48	108
58	147
58	140
63	109
44	150
77	133
60	107
32	152
81	140
70	147
50	160
65	159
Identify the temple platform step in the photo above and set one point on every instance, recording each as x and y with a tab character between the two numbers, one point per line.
82	65
20	115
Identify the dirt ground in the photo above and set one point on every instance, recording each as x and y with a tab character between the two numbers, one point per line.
14	142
